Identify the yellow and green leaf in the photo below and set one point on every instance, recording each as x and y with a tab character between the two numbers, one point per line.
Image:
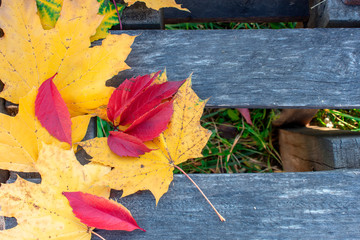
49	12
110	19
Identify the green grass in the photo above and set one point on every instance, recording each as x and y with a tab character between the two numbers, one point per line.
234	145
341	119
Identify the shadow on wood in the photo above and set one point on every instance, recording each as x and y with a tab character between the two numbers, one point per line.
295	117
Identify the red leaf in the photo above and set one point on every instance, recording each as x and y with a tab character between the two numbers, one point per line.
246	114
149	99
126	93
151	124
100	212
52	112
124	145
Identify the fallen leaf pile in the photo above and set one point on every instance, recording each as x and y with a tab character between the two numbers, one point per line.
58	79
183	139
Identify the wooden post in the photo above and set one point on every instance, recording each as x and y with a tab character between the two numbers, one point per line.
334	13
315	149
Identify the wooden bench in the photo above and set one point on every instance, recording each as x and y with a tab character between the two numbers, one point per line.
291	68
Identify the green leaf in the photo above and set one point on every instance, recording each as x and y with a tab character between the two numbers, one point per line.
233	114
103	128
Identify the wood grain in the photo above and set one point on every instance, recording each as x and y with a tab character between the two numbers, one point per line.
318	149
239	11
320	205
297	68
312	205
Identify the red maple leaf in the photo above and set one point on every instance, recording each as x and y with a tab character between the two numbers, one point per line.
143	109
52	112
99	212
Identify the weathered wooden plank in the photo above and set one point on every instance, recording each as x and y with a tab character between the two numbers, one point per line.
239	11
256	206
317	149
297	68
312	205
334	13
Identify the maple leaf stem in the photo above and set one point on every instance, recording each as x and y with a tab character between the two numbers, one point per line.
219	215
117	10
98	235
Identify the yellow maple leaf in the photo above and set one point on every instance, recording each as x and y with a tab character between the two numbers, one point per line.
184	139
30	55
157	4
21	136
42	212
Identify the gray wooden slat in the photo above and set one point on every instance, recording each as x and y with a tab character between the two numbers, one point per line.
334	13
239	11
297	68
319	205
312	205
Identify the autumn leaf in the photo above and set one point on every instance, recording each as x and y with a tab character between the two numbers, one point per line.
107	8
42	212
21	136
246	114
183	139
99	212
157	4
125	94
124	144
49	12
141	110
51	111
30	55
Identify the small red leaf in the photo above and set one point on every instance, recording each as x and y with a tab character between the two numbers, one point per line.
100	212
246	114
124	145
52	112
126	93
151	124
149	99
